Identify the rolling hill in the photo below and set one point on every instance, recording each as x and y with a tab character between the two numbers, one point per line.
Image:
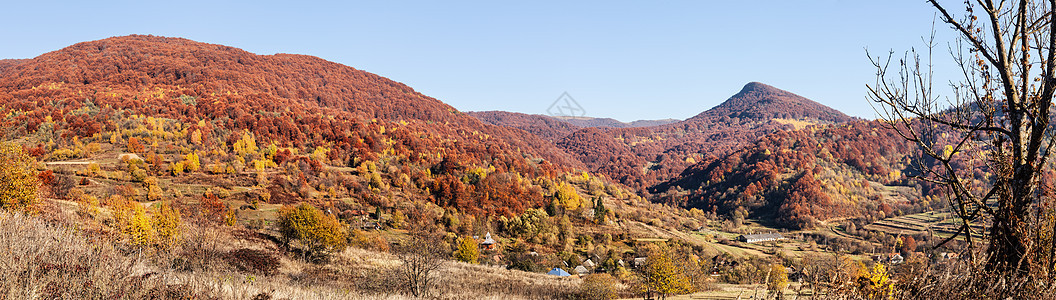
159	90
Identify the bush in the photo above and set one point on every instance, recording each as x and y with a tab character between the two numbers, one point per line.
598	286
253	261
318	233
367	240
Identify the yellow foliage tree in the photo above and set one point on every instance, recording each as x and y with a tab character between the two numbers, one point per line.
167	224
319	154
18	179
176	168
875	283
467	250
777	280
192	162
568	198
247	144
663	277
319	233
133	221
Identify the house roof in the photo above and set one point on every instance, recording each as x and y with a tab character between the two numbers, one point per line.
763	236
588	263
581	270
558	272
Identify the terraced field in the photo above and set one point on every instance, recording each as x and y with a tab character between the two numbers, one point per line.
941	224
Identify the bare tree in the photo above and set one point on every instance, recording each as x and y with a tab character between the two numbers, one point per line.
988	142
422	258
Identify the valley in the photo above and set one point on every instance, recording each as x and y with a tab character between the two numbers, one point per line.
198	161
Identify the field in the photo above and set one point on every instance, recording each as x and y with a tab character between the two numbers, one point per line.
939	224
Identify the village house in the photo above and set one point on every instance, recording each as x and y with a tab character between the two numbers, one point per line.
581	270
589	264
758	238
892	258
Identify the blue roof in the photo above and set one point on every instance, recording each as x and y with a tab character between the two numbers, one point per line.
558	272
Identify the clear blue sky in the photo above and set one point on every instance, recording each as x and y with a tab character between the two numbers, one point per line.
624	60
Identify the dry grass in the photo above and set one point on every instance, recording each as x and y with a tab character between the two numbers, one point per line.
374	273
40	260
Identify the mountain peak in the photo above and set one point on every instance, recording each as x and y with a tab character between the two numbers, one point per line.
762	102
755	86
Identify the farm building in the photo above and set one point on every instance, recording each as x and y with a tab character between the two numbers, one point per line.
756	238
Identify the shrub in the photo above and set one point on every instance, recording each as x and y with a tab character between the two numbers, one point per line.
87	205
397	220
366	240
254	261
598	286
318	233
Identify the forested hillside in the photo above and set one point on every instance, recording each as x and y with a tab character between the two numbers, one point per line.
798	178
661	152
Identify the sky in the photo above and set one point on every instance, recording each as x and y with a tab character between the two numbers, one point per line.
617	59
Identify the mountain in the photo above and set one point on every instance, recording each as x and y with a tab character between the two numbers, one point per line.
758	101
179	96
661	152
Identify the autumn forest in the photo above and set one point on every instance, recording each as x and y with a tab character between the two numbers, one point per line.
174	169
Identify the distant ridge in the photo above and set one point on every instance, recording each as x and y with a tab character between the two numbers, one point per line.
609	122
554	128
